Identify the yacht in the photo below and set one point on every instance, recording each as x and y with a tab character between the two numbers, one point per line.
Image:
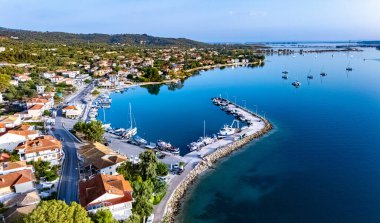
296	84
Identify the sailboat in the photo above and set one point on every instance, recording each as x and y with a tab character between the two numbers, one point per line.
202	141
106	126
310	76
131	131
323	74
348	68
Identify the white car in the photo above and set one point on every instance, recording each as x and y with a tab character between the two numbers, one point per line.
150	219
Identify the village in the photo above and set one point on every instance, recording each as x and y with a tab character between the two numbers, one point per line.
42	158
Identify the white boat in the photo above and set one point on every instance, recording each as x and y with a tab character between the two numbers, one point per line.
228	130
202	141
296	84
106	126
139	140
165	146
131	131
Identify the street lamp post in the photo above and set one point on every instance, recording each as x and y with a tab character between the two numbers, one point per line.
245	103
256	109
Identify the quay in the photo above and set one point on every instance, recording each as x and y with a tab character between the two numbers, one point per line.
198	161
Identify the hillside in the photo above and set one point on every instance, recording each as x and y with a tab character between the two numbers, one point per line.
72	38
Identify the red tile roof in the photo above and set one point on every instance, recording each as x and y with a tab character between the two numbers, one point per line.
18	177
102	184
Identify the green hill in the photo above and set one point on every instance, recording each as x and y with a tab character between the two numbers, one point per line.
72	38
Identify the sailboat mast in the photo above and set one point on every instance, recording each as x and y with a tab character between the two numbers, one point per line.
130	114
204	128
104	116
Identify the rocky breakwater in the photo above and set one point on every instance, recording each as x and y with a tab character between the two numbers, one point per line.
173	204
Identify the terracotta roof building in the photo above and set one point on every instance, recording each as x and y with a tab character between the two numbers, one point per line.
17	182
12	138
99	157
46	148
10	167
107	191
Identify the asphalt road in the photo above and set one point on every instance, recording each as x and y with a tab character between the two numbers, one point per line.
68	184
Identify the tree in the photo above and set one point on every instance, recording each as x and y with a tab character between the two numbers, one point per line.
162	169
148	165
92	131
43	169
134	218
143	190
14	156
55	211
103	216
4	82
47	113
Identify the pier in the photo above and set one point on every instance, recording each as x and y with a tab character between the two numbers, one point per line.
200	160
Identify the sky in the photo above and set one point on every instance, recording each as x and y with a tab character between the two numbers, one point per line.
202	20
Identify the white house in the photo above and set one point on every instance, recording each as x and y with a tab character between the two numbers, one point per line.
70	74
107	192
10	167
45	148
48	75
16	183
11	121
40	89
12	138
36	111
72	111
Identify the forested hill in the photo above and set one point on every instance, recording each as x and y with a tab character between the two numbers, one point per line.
71	38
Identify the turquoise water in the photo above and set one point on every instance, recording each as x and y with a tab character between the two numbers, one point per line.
320	164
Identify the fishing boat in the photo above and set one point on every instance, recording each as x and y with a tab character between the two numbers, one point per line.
131	131
296	84
228	130
165	146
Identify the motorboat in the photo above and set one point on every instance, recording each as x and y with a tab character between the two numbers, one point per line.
139	140
296	84
165	146
285	77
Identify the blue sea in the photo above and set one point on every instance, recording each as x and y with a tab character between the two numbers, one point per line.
321	163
